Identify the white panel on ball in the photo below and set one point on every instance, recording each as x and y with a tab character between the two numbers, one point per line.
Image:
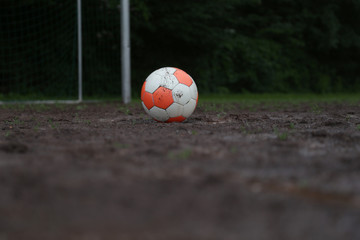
165	70
181	94
169	81
175	110
145	108
159	71
193	91
171	70
153	82
159	114
189	108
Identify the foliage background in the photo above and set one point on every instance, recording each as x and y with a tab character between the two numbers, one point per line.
251	45
227	46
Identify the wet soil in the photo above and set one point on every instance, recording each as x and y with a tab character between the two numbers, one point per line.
232	171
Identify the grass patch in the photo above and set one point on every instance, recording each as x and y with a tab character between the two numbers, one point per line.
14	122
272	102
81	107
209	102
249	98
124	109
52	124
87	122
36	127
180	155
283	136
315	108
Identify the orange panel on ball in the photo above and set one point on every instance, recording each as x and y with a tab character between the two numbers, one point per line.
163	97
183	77
142	90
147	98
176	119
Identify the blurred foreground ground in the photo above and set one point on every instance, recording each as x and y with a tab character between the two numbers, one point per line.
232	171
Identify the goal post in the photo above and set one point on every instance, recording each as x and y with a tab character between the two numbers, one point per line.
125	51
64	51
80	56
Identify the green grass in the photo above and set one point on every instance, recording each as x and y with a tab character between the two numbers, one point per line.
52	124
37	126
316	108
274	97
283	136
250	100
180	155
81	107
124	109
14	122
274	102
88	122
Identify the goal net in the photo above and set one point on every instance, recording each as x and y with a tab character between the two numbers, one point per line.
39	50
101	48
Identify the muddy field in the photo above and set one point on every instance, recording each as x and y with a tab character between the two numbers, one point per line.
233	171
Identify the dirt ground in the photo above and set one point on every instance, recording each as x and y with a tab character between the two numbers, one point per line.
232	171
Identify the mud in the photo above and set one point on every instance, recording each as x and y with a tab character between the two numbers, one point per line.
232	171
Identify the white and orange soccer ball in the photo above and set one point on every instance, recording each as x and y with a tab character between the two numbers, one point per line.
169	95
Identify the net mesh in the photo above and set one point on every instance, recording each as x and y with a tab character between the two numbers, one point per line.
38	49
102	49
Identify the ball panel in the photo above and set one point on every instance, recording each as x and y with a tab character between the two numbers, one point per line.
152	83
142	90
181	94
165	70
183	77
169	81
171	70
147	99
159	72
189	108
163	97
193	91
159	114
175	110
145	108
176	119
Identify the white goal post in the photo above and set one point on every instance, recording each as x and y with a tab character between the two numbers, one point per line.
80	56
125	51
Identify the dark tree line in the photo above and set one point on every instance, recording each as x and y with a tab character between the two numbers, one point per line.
251	45
226	45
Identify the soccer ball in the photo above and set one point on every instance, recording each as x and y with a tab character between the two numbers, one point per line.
169	95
